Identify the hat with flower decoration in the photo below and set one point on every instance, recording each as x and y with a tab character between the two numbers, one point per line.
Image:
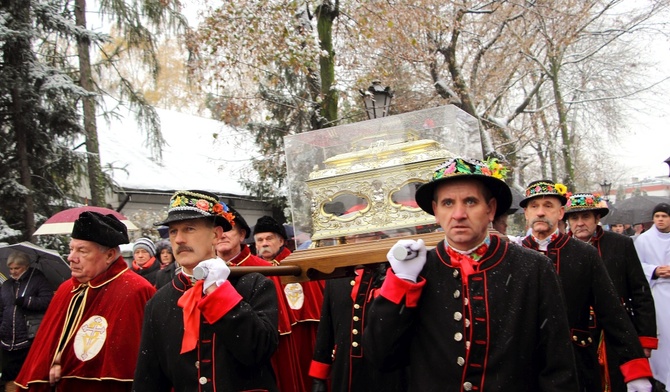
490	172
586	202
185	205
545	188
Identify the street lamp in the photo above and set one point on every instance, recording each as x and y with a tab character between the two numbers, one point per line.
377	100
606	187
668	162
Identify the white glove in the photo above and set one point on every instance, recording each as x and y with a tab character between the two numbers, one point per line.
217	272
639	385
410	267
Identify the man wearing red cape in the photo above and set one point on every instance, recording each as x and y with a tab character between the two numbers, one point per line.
302	301
90	334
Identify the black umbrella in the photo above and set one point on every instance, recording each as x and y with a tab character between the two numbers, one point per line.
637	209
48	261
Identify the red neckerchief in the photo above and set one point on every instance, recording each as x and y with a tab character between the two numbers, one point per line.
467	262
189	303
148	264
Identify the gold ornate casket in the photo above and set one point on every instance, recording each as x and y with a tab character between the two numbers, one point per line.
360	178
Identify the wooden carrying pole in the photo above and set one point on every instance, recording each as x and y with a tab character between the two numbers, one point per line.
333	261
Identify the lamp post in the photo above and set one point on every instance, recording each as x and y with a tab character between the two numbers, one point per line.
605	187
668	162
377	100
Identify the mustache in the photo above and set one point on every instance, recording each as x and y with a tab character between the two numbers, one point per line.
183	248
543	220
265	248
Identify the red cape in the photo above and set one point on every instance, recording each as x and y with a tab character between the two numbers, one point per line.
295	351
118	295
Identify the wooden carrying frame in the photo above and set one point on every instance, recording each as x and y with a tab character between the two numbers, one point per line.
333	261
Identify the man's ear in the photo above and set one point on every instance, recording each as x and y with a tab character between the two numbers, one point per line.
218	233
111	255
493	205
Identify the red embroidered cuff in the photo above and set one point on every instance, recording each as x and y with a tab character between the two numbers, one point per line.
219	302
395	289
649	342
319	370
634	369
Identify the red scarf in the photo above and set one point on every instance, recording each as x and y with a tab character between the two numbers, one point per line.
189	303
148	264
462	262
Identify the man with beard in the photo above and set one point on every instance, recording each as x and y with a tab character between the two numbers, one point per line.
586	286
653	247
216	333
303	303
583	212
476	313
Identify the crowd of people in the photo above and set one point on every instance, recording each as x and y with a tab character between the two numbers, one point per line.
576	309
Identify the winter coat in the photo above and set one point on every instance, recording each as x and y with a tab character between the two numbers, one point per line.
37	292
338	353
587	285
150	272
237	337
502	328
625	270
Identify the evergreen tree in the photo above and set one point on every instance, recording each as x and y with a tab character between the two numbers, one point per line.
39	120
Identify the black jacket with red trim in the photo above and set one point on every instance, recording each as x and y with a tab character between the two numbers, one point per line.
624	268
338	352
238	336
504	328
586	284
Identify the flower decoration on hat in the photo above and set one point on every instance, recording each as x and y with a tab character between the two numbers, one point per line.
207	205
561	189
591	200
490	173
459	166
547	188
586	202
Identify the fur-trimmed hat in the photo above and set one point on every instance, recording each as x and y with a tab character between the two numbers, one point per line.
489	172
106	230
661	207
586	202
146	244
545	188
267	224
185	205
240	222
163	244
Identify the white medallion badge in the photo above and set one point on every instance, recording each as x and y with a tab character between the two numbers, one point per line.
294	295
90	338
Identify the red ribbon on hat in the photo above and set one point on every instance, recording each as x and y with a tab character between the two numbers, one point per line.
189	302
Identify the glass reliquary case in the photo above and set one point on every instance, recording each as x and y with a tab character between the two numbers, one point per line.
359	179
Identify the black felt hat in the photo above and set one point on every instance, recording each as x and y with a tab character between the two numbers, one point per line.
106	230
240	222
489	172
586	202
545	188
267	224
185	205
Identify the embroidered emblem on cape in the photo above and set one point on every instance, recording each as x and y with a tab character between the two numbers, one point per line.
90	338
294	295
